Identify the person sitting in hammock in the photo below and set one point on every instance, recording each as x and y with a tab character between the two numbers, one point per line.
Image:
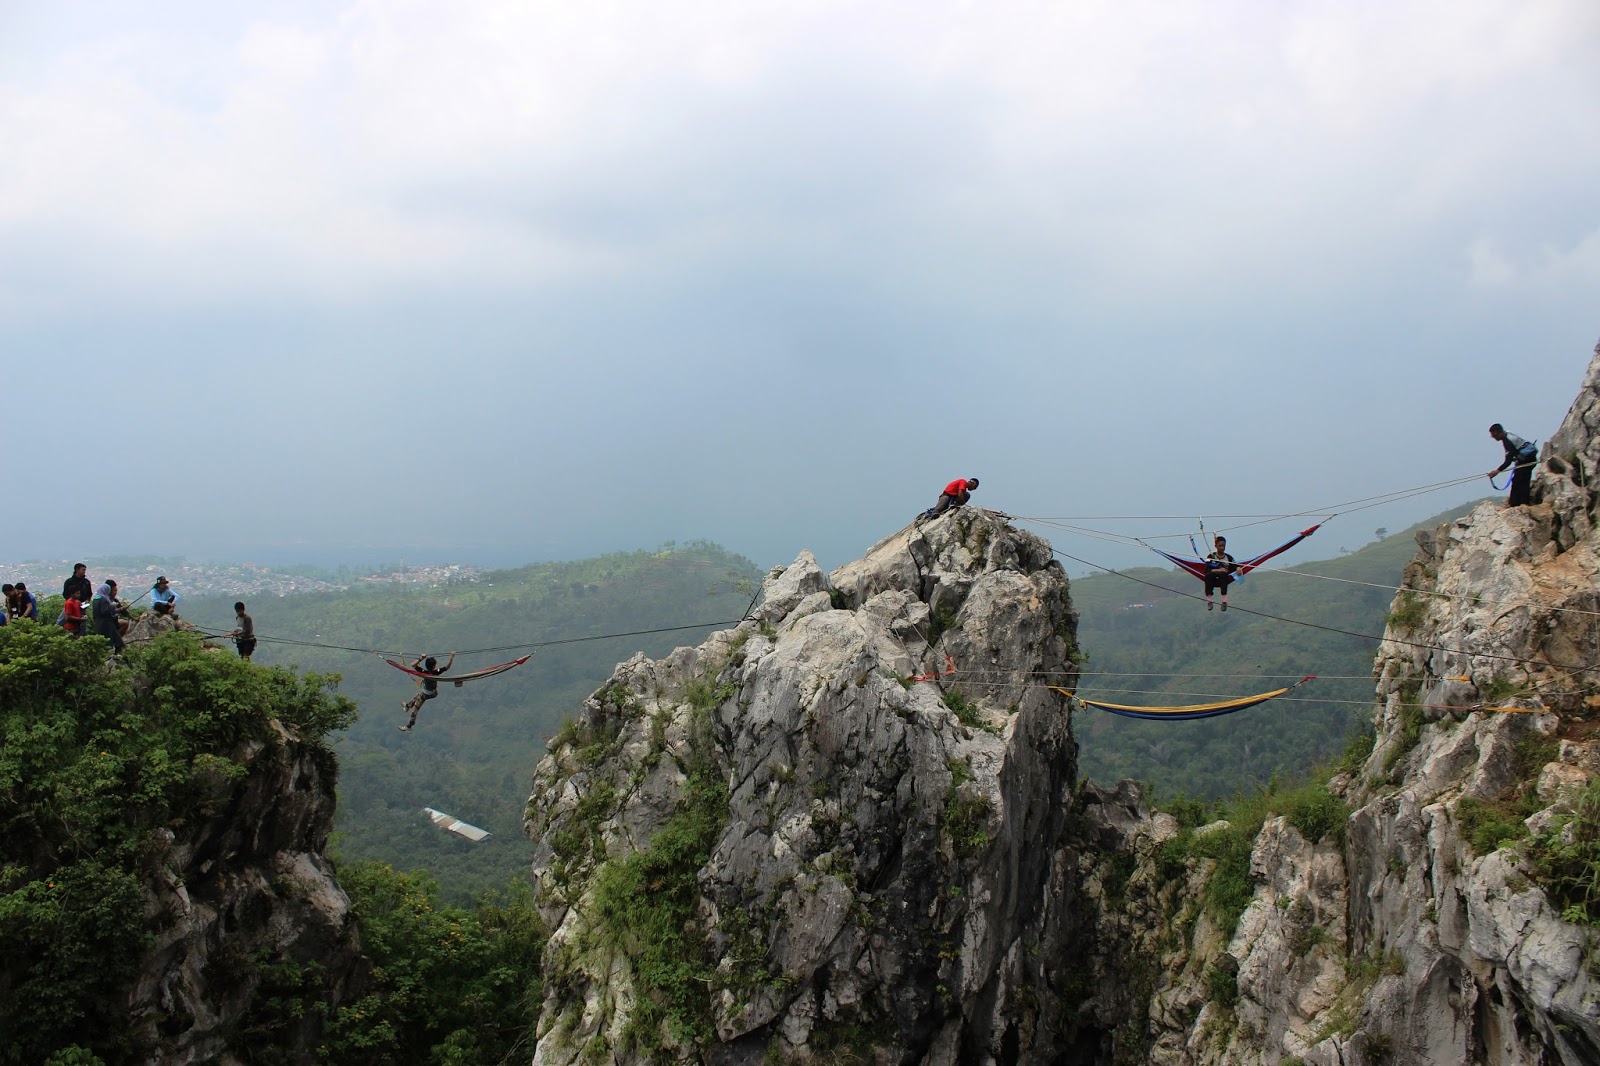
429	689
1220	568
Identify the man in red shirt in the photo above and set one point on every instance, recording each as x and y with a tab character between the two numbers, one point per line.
955	494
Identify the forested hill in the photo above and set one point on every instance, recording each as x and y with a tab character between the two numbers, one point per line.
1149	646
474	748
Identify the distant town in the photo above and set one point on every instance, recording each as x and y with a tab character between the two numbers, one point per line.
136	575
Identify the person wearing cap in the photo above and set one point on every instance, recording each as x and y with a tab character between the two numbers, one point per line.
162	598
105	610
1521	455
955	494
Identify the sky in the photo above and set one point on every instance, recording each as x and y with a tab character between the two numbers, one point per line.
504	282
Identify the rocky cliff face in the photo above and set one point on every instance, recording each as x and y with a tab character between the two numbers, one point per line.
849	830
240	902
1428	935
852	817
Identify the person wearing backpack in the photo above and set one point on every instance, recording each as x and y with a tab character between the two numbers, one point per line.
1521	455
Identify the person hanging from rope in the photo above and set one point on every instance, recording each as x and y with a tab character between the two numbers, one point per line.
429	689
1521	455
955	494
1220	568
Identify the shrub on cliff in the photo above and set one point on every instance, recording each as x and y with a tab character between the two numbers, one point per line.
97	756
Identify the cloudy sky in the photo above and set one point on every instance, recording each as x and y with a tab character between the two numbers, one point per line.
510	281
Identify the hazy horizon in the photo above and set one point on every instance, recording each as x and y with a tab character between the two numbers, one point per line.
526	283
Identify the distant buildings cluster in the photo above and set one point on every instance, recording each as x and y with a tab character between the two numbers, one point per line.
241	579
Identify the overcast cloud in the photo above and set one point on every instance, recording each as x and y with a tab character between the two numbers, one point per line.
510	281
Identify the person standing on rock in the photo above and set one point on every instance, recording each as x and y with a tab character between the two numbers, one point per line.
429	689
78	587
1521	455
105	609
244	632
955	494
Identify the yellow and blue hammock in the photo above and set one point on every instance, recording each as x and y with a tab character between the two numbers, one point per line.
1185	713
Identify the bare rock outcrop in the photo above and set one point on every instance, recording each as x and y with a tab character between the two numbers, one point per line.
236	899
1422	930
888	849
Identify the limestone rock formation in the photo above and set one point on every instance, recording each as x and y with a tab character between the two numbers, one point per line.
850	830
1429	935
851	818
234	893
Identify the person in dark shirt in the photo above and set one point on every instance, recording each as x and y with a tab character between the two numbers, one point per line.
1219	572
955	494
1520	454
27	602
429	689
106	607
78	587
244	633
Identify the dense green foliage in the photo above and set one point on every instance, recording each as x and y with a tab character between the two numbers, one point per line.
475	747
1174	651
1566	859
96	757
1314	811
645	905
451	986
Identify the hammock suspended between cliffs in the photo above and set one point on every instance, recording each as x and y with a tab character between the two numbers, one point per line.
1185	713
459	679
1198	567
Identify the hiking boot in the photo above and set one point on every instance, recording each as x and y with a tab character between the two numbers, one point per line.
1210	606
1224	605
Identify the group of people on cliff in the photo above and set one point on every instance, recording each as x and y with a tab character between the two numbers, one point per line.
100	610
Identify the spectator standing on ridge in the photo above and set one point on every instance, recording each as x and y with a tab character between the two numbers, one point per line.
9	609
162	598
105	609
1219	572
1521	455
955	494
429	689
73	617
78	587
244	633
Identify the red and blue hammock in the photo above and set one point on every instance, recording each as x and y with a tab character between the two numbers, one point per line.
1200	567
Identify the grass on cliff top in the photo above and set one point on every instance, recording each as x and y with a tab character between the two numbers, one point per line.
97	758
1309	807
